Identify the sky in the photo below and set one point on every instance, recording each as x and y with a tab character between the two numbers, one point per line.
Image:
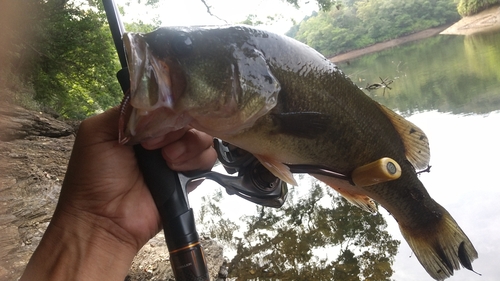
194	12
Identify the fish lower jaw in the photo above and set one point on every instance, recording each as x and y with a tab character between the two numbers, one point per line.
146	124
137	114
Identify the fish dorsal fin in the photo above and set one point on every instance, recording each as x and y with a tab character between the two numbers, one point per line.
414	139
277	168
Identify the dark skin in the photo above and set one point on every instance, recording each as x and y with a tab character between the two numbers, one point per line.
105	212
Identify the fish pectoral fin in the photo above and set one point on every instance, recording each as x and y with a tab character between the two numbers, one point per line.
442	248
302	124
277	168
414	139
359	200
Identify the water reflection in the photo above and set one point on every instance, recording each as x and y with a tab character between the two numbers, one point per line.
316	236
450	87
464	179
446	73
447	85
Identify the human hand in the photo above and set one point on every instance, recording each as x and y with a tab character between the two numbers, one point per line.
104	199
106	181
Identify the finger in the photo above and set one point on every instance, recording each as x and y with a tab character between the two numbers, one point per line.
192	143
203	160
101	127
189	150
190	147
164	140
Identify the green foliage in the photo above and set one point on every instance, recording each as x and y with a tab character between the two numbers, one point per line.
318	236
429	74
76	76
68	58
139	27
357	24
470	7
324	5
253	19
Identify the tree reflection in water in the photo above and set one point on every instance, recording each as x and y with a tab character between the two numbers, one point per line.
309	238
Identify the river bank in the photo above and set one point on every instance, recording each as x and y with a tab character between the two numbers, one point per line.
389	44
487	20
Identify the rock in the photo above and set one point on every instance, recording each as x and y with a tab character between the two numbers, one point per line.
18	123
153	262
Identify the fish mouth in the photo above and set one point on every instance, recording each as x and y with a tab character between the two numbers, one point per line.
147	109
136	125
150	81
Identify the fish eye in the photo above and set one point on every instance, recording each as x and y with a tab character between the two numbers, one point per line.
182	44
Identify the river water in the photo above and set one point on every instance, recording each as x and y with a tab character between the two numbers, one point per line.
449	86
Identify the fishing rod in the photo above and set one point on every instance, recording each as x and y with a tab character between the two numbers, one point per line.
186	253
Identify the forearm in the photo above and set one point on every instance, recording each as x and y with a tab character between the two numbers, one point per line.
79	248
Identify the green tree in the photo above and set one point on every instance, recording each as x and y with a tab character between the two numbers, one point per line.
470	7
75	76
139	27
357	23
66	53
323	5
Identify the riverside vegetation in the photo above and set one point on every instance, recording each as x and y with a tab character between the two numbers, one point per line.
59	56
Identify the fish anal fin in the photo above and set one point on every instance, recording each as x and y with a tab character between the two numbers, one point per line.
277	168
441	248
361	201
354	197
414	139
302	124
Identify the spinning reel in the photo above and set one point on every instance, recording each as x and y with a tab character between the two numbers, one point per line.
253	181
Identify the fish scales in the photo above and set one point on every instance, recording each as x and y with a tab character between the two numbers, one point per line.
346	110
286	104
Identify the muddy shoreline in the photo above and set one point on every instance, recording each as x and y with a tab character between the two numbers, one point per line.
485	21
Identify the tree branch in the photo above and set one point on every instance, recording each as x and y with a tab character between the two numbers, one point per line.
210	12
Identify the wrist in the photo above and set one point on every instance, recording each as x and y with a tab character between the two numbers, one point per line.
81	247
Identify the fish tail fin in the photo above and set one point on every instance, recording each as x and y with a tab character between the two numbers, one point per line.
442	249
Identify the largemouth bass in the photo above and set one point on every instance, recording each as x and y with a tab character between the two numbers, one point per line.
286	104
